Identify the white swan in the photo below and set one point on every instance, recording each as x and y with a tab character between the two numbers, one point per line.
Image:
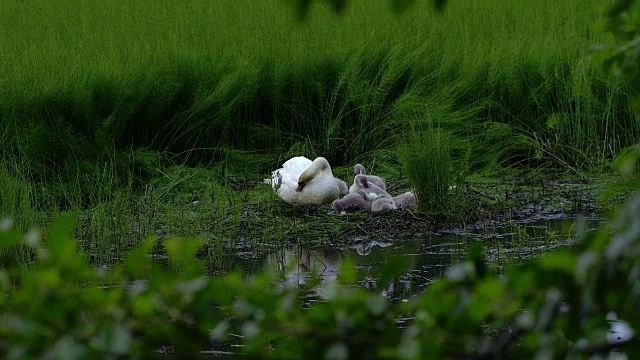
301	181
358	169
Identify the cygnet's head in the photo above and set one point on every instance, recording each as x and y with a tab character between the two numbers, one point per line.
361	180
383	202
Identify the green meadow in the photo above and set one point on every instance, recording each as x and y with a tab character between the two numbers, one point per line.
110	107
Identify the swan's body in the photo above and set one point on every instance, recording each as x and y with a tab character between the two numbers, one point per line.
352	201
361	183
358	169
301	181
406	200
383	202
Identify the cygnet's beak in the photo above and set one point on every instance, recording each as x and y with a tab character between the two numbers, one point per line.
300	186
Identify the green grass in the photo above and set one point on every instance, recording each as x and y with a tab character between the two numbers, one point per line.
200	78
427	162
111	108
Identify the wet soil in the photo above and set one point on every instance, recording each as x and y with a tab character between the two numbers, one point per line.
488	204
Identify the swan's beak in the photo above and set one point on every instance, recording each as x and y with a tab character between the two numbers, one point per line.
300	186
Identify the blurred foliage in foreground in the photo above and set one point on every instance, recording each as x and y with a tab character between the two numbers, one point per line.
560	306
621	51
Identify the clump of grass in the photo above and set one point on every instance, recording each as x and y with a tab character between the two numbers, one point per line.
427	161
17	194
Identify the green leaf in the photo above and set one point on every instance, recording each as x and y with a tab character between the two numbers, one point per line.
138	259
439	4
618	7
337	351
301	8
62	246
348	274
9	238
487	297
338	6
182	255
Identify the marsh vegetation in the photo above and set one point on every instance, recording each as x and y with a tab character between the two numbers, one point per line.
121	109
159	120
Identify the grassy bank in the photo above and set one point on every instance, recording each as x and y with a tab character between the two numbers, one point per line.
102	105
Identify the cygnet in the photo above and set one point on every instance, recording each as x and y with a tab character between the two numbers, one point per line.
406	200
361	183
358	169
352	201
383	202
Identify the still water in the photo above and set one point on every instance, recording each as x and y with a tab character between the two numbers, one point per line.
416	261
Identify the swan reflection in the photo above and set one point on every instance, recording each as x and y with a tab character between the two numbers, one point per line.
305	266
365	248
301	264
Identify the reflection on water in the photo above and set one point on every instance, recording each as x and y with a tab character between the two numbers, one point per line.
298	265
419	260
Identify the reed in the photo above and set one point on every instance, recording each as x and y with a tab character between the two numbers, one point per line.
201	78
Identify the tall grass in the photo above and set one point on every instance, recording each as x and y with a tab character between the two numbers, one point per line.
427	159
88	90
199	78
16	196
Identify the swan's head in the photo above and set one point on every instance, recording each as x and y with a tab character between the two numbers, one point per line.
300	186
318	165
359	169
383	202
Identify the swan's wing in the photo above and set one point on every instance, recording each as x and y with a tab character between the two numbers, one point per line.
276	180
295	166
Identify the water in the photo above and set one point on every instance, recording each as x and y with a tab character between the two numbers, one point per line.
417	261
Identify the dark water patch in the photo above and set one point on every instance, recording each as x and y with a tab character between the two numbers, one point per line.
315	268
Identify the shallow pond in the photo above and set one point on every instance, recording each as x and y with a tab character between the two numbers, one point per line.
417	261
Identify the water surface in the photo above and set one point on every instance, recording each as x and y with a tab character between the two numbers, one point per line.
419	260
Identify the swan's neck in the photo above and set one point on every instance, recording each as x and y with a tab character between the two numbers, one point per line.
312	171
